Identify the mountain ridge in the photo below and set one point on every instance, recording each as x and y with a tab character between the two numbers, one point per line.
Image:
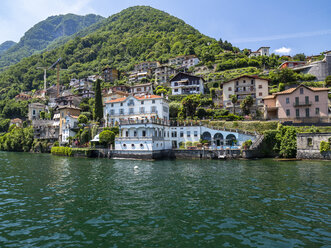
44	33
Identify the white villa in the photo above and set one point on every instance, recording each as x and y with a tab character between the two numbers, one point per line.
136	107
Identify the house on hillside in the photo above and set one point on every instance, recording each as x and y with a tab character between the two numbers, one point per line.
163	73
262	51
186	84
291	64
185	61
242	87
133	107
110	74
22	97
146	66
34	110
141	89
70	128
300	104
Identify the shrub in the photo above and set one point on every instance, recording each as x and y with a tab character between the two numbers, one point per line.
188	143
247	144
107	137
324	146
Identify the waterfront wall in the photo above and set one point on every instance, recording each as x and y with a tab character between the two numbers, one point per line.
308	145
206	154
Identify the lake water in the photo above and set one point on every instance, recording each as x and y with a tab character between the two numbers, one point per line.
49	201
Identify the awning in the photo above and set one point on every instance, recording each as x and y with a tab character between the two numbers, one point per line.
95	139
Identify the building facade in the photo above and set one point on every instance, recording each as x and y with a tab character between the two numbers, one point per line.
186	84
141	107
185	61
141	89
262	51
110	74
242	87
69	128
300	104
163	73
34	110
146	66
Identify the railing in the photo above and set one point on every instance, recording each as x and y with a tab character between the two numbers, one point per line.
144	121
146	138
301	104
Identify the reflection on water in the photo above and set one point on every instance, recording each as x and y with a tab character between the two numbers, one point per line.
70	202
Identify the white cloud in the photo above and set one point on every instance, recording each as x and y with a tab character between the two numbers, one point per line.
23	14
283	50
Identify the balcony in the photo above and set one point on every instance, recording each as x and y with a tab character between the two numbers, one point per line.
302	104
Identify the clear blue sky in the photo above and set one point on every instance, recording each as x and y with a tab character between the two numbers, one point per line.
293	26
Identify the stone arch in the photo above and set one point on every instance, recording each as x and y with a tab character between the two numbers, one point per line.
230	138
206	136
218	139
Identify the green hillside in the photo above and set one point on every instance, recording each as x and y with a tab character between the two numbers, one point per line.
6	45
133	35
44	34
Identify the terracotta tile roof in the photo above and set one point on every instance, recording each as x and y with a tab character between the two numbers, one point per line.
145	97
269	97
291	90
249	76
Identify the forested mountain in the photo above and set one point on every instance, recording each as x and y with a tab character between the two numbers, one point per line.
46	33
135	34
6	45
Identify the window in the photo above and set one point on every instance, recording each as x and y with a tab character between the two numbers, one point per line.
307	99
237	83
34	112
230	89
260	86
301	91
317	111
142	110
121	104
297	100
143	133
153	101
244	81
121	111
287	100
260	93
176	90
130	110
112	105
112	112
141	146
252	82
135	133
142	102
153	109
127	134
287	112
131	102
309	142
317	99
181	134
297	112
307	112
188	134
195	133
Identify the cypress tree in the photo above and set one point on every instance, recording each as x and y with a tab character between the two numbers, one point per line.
98	109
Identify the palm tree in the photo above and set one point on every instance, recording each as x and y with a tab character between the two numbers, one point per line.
234	100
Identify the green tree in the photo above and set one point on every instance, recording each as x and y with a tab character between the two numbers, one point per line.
98	109
246	104
234	100
328	81
107	137
82	119
190	104
299	57
174	108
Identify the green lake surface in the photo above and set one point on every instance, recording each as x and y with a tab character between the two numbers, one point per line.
50	201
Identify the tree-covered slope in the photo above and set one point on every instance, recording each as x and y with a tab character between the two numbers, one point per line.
44	33
6	45
135	34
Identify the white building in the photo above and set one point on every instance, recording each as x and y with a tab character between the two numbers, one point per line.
68	129
186	61
262	51
133	107
183	83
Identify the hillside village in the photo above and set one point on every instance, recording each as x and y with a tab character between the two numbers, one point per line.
166	102
212	96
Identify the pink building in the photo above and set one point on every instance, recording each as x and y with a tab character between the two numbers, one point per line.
300	104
